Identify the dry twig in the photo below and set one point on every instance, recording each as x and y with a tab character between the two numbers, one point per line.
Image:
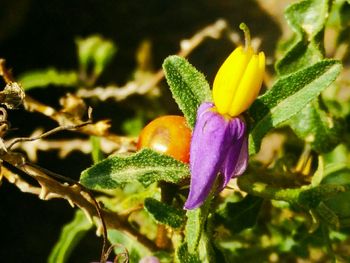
215	30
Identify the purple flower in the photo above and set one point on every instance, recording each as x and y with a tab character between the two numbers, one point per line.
219	147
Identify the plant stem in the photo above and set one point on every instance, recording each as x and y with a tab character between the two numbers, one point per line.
306	196
167	193
264	190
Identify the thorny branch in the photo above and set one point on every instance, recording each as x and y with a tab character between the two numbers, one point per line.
18	181
65	146
99	128
48	133
77	195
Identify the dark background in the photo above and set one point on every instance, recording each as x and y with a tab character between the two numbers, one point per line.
37	34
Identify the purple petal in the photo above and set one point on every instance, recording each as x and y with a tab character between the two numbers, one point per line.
237	157
211	140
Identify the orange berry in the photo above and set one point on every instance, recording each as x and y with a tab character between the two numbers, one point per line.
168	135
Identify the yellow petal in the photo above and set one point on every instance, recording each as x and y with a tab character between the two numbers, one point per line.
261	72
249	85
228	78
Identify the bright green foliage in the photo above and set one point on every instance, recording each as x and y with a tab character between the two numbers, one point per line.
307	19
308	197
188	86
96	153
317	127
86	49
70	236
194	228
196	220
183	256
122	241
240	215
46	77
145	166
339	203
95	52
164	214
288	96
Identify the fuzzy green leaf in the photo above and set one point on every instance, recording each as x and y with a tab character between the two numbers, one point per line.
164	214
183	256
339	204
307	19
195	223
317	127
240	215
287	97
145	166
46	77
70	236
188	86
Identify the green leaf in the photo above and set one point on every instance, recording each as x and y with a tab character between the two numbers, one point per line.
195	224
95	50
237	216
307	196
46	77
327	215
164	214
103	56
145	166
183	256
70	236
339	204
339	15
287	97
96	152
205	249
307	19
188	86
121	241
317	127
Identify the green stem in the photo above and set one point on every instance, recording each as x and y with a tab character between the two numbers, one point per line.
328	243
264	190
306	196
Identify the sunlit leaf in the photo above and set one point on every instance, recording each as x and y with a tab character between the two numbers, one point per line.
70	236
164	214
288	96
307	19
317	127
46	77
183	256
123	242
145	166
188	86
196	219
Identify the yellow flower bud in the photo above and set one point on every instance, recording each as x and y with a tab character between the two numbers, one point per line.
238	80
